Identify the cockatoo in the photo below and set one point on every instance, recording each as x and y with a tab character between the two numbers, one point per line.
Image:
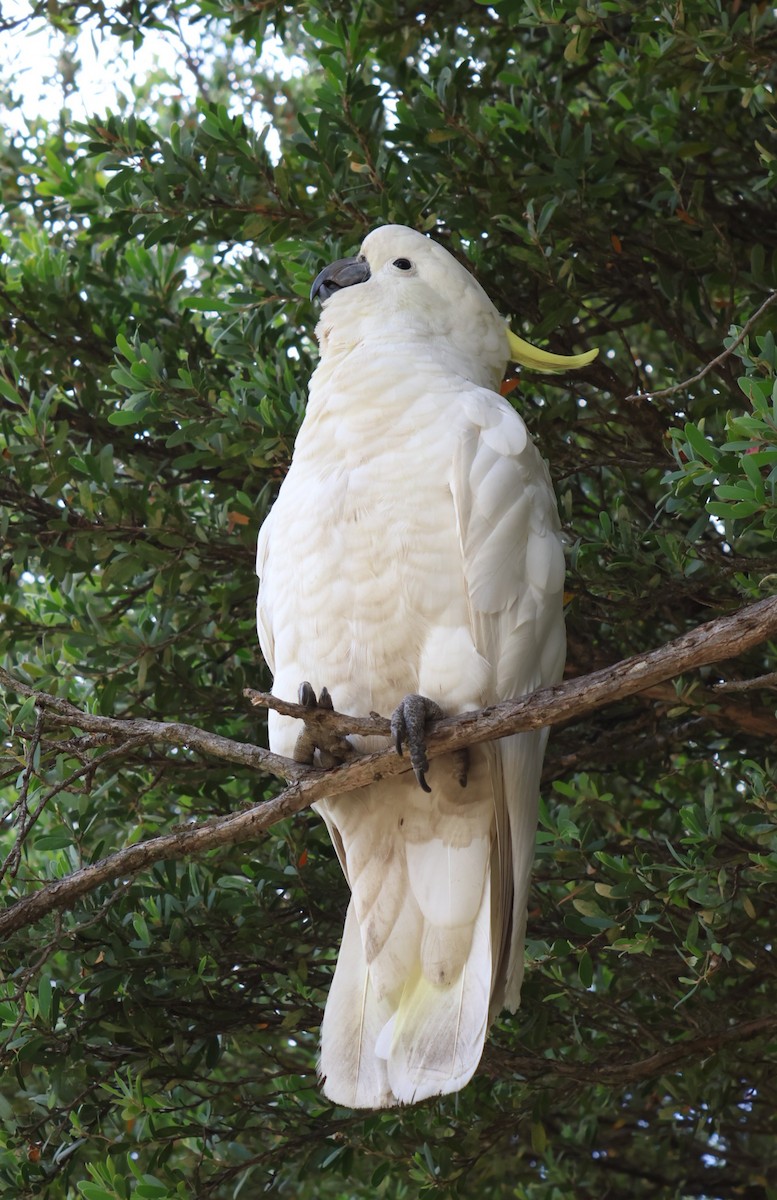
412	564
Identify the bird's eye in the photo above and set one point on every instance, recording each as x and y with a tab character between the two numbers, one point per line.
404	264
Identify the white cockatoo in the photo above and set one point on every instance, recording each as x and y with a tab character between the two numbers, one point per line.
413	556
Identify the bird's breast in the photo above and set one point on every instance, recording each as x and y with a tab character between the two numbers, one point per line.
364	577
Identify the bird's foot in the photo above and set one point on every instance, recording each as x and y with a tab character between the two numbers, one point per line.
318	743
408	728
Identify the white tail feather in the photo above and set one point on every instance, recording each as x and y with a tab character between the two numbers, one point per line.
438	1032
351	1071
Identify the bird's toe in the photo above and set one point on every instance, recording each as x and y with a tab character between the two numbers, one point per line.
408	728
318	743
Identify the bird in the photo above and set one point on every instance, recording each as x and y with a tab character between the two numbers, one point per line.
412	564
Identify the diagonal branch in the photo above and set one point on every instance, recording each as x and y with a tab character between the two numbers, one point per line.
715	362
170	733
712	642
617	1073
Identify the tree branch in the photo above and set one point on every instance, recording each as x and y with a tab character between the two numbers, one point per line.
170	733
741	714
747	685
714	641
715	362
623	1073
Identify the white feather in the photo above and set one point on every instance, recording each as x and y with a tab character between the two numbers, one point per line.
353	1074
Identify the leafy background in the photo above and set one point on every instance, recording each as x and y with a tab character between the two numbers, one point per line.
608	171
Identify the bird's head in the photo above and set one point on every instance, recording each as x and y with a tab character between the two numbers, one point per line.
404	288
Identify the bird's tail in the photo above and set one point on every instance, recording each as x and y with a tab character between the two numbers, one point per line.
377	1053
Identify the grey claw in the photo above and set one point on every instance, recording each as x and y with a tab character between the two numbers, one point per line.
408	723
422	780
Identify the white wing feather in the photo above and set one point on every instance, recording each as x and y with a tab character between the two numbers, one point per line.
514	568
264	606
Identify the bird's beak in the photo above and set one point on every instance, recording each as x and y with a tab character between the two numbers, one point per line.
542	360
341	274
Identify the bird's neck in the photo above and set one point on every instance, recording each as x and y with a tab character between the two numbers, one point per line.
399	359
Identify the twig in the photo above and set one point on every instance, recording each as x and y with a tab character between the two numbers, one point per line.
87	769
622	743
24	820
171	733
713	642
27	973
747	685
643	1068
758	722
686	383
341	723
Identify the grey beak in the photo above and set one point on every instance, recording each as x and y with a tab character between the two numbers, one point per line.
341	274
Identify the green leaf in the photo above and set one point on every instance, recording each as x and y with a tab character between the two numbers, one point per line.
8	391
94	1191
585	970
700	444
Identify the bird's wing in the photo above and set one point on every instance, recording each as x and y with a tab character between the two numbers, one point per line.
264	598
514	569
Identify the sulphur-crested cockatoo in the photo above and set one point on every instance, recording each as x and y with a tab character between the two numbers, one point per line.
414	551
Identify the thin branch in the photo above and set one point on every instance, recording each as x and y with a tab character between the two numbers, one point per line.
84	771
171	733
747	685
334	722
716	362
620	1073
714	641
24	820
740	714
623	743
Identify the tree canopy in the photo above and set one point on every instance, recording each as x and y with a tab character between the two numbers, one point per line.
607	170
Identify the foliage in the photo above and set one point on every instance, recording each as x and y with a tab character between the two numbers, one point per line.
605	169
